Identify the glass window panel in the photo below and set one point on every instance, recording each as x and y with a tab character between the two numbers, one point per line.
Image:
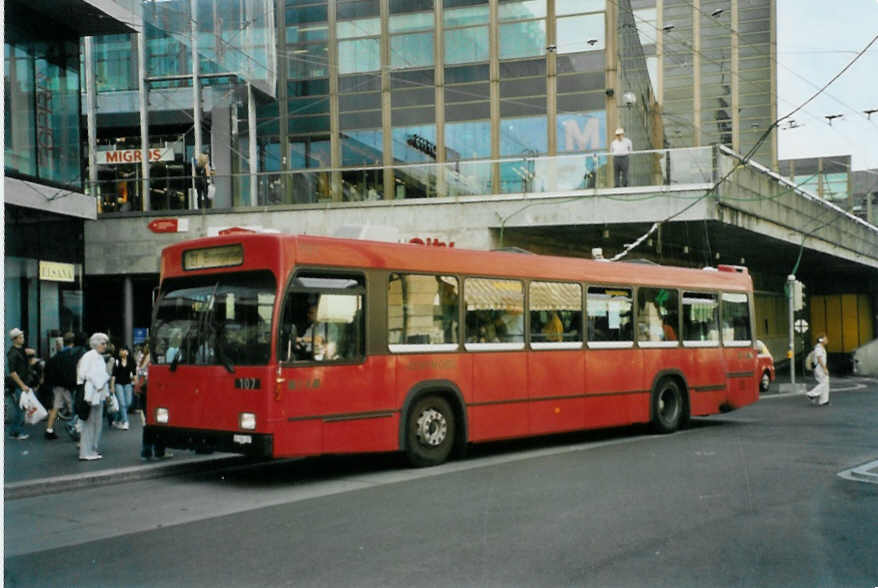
415	50
658	314
347	9
422	310
358	56
407	23
700	317
361	148
467	15
522	9
522	39
471	139
735	318
466	73
307	32
523	135
610	314
323	326
308	61
18	106
215	320
576	33
466	45
364	27
577	6
414	144
494	311
555	312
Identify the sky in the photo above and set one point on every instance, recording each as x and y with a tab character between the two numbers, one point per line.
815	40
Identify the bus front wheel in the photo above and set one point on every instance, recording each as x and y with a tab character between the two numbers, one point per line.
668	409
430	431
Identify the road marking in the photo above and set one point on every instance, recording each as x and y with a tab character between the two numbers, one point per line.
868	472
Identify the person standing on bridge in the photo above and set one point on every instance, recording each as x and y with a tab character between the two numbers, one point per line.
819	394
620	149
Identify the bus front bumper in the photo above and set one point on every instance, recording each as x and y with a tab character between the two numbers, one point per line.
206	441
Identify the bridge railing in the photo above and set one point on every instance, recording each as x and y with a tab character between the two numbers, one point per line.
169	189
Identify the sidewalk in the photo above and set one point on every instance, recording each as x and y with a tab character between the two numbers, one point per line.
38	466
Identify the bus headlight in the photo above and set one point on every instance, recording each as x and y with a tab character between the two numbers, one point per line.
247	421
161	415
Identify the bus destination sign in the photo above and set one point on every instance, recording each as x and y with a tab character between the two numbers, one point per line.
210	257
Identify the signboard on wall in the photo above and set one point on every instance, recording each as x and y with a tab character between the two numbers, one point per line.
52	271
140	335
122	156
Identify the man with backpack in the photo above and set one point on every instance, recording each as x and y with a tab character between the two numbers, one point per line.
57	374
819	394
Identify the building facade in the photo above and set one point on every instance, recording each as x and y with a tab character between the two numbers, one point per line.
44	204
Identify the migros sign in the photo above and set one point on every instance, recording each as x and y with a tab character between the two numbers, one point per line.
121	156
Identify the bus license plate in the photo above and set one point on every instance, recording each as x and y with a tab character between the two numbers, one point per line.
242	439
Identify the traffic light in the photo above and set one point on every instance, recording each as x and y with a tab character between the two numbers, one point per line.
798	295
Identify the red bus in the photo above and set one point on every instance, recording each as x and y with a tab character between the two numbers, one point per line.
281	346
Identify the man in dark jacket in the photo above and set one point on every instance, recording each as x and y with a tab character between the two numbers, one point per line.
19	381
59	370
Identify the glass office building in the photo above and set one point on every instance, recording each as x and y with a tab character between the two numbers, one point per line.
369	94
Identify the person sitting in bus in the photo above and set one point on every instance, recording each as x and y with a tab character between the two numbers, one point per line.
553	330
309	345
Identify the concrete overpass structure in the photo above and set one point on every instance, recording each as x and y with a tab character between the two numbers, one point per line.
753	217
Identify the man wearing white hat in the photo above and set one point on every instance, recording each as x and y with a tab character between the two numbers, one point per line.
18	382
619	149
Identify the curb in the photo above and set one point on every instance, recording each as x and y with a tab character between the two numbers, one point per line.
39	487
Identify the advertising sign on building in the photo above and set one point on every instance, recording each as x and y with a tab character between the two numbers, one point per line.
52	271
122	156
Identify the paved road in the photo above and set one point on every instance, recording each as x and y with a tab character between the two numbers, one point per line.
749	498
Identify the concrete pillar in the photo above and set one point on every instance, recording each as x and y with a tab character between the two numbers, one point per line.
334	122
196	83
143	95
386	122
91	117
128	312
494	77
439	99
221	154
736	84
253	147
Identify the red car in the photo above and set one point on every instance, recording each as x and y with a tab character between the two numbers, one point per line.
765	365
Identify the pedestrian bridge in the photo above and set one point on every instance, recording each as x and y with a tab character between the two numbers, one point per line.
692	206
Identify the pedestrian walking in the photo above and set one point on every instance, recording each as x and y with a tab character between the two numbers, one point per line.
123	377
819	394
92	374
18	381
62	396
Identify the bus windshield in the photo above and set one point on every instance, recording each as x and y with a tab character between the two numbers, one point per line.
223	319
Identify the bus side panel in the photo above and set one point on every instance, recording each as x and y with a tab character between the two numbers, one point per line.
706	374
741	376
613	384
499	399
555	388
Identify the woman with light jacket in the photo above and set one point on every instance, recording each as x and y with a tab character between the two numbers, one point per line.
92	373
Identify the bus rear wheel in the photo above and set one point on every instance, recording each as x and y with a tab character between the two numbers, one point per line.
668	409
430	432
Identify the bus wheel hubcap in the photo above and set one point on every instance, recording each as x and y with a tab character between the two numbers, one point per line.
668	405
432	427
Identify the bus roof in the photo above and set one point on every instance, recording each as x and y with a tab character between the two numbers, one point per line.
273	250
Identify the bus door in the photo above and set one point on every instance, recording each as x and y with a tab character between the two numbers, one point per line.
741	374
332	398
556	363
705	363
614	368
658	336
